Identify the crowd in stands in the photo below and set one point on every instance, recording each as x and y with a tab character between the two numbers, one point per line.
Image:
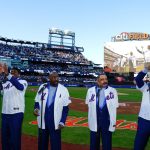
38	54
73	67
70	81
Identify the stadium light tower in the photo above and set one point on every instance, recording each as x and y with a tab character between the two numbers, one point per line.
61	37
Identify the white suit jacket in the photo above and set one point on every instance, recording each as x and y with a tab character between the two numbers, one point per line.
111	97
145	104
61	100
13	99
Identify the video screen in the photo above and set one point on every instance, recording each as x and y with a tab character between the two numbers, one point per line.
126	56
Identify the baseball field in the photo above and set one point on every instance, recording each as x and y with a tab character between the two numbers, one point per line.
76	131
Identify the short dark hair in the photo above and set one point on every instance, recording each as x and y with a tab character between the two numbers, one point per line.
17	69
102	73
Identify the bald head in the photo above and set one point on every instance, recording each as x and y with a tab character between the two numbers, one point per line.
54	78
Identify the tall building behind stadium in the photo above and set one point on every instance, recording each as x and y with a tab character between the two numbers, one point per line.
36	60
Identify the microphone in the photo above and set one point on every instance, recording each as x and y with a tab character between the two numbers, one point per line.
43	88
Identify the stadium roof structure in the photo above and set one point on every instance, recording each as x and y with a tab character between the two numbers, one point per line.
5	39
58	40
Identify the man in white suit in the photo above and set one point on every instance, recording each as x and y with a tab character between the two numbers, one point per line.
51	109
13	106
143	130
102	103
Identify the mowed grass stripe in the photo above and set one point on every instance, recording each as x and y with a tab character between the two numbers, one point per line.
130	95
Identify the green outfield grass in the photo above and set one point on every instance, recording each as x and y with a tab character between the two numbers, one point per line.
80	135
133	95
121	138
125	95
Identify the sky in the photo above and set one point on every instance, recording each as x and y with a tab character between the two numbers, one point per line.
93	21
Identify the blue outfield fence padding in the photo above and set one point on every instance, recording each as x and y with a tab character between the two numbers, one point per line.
124	86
